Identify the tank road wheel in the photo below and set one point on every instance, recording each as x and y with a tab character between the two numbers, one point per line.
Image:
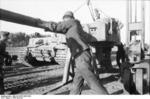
30	59
60	57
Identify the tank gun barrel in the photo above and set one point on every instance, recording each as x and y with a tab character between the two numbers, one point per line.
19	18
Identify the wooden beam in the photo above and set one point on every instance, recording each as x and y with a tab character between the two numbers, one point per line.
139	80
67	67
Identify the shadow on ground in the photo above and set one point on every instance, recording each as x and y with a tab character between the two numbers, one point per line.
112	70
64	93
41	83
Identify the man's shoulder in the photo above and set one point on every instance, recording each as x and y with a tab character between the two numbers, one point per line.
2	42
73	20
70	22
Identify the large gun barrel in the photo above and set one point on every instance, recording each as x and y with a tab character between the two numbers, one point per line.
19	18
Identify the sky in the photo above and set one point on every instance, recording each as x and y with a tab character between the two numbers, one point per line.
53	10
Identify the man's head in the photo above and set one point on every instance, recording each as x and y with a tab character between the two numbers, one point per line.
68	15
4	36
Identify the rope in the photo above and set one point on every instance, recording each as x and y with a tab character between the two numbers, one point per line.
79	7
90	8
104	14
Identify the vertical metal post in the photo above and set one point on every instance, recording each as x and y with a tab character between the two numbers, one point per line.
135	10
149	61
130	11
148	78
143	23
127	22
129	19
67	67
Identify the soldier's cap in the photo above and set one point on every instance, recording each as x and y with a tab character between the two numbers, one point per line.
68	14
4	33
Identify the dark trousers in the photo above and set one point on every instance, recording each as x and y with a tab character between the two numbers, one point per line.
1	82
127	78
84	71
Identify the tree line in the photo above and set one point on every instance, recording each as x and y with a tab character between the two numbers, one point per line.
21	39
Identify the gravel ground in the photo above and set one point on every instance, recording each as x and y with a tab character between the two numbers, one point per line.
46	80
43	82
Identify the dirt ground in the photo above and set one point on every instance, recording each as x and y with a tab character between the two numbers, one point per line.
47	80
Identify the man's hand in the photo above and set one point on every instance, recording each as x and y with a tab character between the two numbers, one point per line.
50	26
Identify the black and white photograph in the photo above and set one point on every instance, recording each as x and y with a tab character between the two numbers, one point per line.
74	47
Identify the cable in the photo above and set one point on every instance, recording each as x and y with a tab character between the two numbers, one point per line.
89	4
79	7
104	14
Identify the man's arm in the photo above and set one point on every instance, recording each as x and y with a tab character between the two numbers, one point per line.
88	37
5	55
48	26
3	52
53	26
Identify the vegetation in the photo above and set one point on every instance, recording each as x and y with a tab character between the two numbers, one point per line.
21	39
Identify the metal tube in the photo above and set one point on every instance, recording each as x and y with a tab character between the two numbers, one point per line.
135	10
130	11
127	22
20	19
143	23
